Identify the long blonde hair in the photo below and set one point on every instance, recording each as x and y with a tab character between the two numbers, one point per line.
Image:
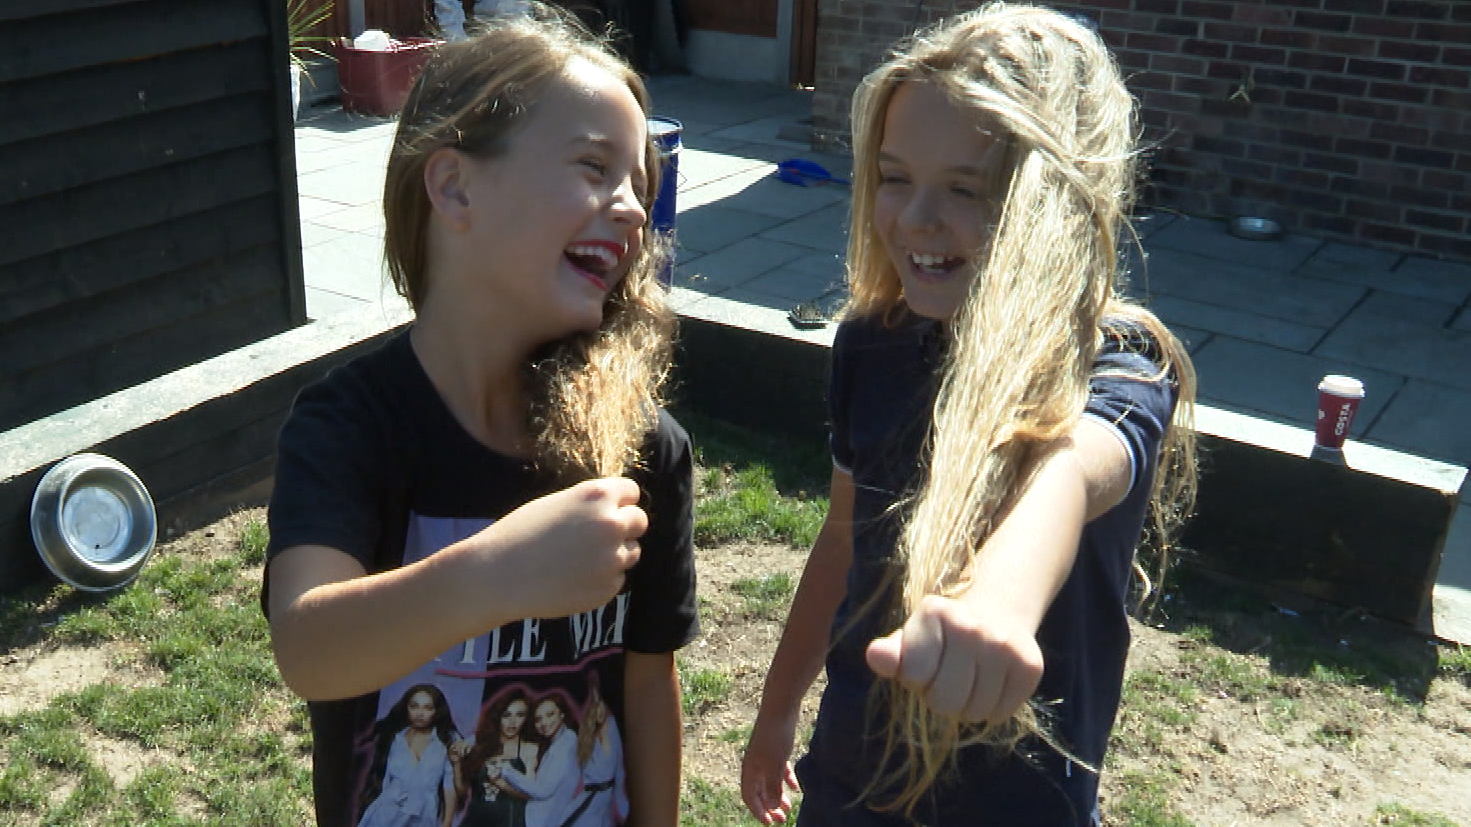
594	395
1021	347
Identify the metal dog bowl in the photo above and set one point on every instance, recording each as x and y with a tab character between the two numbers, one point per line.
1256	229
93	522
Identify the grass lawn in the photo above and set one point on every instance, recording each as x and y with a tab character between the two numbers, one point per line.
160	704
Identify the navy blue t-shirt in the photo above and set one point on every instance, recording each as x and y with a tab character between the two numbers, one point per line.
882	397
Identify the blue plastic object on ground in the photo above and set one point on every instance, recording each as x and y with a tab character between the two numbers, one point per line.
803	172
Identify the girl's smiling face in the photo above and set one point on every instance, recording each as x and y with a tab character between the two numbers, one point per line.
555	221
936	200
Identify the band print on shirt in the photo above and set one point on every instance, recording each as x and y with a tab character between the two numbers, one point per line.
514	728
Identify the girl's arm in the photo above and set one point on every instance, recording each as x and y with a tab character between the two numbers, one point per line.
653	738
338	632
977	654
798	659
556	767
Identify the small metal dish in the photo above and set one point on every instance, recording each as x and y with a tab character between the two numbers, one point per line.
1255	229
93	522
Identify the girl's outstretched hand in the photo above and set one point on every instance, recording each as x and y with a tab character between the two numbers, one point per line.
961	660
766	769
568	552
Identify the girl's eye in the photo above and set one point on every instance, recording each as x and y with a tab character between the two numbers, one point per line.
891	179
964	193
595	165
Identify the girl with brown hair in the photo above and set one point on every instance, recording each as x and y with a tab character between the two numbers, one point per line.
460	503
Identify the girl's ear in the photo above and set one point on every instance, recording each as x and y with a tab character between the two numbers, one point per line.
445	178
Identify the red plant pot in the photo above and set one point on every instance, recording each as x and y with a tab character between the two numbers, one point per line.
378	83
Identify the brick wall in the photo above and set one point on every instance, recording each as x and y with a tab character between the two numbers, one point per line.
1344	119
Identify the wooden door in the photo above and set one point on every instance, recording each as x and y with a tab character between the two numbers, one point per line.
804	43
750	17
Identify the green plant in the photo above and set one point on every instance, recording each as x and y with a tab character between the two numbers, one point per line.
702	688
1455	661
1146	801
1401	815
766	596
302	18
705	804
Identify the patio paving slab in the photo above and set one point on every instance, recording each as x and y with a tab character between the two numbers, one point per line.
1430	419
1453	278
312	209
314	233
698	167
1208	237
792	285
734	265
1240	324
1428	312
347	184
321	303
763	130
826	229
359	218
1335	257
1395	345
765	194
1386	271
1238	284
319	159
713	227
1282	385
350	265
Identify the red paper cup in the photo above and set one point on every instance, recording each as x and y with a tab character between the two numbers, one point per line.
1338	401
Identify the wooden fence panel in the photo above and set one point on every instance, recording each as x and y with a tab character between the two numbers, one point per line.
148	208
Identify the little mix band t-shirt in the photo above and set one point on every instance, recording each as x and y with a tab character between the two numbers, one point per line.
372	462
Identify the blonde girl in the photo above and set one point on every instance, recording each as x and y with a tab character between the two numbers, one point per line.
458	507
1004	424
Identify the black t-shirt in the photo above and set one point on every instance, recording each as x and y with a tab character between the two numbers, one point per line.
884	381
372	462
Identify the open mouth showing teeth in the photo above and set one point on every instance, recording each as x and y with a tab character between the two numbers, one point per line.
935	264
597	260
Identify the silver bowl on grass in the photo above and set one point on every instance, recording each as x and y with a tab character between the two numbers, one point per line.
1255	229
93	522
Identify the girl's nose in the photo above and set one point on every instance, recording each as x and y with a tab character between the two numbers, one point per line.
921	212
626	206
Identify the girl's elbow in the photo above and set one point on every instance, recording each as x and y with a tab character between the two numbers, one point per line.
295	675
300	671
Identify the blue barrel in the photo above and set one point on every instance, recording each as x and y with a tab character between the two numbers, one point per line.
665	134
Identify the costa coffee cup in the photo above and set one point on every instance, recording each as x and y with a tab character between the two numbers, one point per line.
1338	401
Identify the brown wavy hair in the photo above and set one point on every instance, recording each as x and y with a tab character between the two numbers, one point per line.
489	741
594	395
1063	191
